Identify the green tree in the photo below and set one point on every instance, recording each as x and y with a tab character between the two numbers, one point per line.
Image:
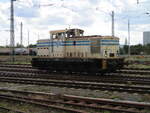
32	46
19	45
136	49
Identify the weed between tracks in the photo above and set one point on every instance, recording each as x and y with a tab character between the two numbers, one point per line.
138	58
81	92
59	91
27	108
138	66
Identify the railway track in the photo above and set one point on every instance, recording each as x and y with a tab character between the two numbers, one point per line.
16	65
82	104
38	102
25	70
27	75
29	66
36	71
32	70
6	110
78	85
34	76
141	71
132	71
33	73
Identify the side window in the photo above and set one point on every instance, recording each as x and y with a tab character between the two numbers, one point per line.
54	36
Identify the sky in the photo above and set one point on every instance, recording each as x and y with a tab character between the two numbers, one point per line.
93	16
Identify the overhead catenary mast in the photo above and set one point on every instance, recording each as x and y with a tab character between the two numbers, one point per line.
28	42
113	31
21	36
12	35
128	37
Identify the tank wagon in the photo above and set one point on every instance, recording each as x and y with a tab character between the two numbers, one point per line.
69	50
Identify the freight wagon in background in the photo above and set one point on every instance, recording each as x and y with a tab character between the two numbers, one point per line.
69	50
4	51
18	51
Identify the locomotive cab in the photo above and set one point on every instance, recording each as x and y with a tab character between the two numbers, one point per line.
68	33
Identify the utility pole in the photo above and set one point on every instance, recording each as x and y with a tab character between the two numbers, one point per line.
113	32
12	35
21	37
28	42
6	42
128	37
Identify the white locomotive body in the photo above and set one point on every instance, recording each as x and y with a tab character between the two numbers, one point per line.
70	48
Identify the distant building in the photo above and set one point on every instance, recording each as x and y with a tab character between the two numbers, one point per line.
146	37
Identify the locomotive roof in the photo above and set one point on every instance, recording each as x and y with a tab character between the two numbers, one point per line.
64	30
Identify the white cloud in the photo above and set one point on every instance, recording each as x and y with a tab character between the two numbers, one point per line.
94	16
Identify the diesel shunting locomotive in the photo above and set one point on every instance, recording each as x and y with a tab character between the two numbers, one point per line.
69	50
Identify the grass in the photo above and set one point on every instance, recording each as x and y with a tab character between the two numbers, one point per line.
138	58
19	59
25	107
138	66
